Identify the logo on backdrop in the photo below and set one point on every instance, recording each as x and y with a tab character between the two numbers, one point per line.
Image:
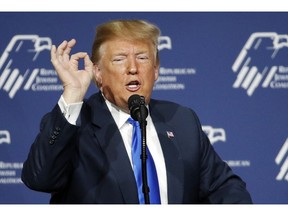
219	135
5	137
164	42
262	62
282	160
10	171
214	134
170	78
20	66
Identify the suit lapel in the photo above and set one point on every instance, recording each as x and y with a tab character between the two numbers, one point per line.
172	157
110	139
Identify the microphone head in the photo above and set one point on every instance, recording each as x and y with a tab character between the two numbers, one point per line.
136	105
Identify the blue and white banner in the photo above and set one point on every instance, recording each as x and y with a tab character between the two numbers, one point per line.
230	67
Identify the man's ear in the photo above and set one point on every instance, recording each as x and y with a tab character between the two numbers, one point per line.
97	76
156	71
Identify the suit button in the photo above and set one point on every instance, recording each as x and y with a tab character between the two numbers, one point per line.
57	129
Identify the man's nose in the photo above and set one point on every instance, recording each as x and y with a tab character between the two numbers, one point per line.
132	66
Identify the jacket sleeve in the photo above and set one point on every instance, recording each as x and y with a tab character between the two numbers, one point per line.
49	161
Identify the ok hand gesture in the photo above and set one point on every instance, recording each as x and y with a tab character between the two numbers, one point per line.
75	81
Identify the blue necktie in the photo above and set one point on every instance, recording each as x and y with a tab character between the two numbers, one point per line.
151	170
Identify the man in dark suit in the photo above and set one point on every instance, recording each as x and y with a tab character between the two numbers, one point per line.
83	151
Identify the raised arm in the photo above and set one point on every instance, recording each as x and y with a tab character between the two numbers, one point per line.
50	159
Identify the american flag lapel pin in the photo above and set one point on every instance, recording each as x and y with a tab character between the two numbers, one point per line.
170	134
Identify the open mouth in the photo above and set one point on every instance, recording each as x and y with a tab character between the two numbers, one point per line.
133	85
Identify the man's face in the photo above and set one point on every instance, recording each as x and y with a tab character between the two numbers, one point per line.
126	68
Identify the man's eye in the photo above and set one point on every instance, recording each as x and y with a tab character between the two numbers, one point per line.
118	59
142	57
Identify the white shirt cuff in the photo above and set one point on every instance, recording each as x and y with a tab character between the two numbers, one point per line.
70	111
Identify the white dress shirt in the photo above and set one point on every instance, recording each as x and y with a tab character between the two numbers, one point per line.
72	111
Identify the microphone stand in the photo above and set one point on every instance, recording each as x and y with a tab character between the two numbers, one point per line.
139	112
145	187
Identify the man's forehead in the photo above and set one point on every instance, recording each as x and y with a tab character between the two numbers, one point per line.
119	45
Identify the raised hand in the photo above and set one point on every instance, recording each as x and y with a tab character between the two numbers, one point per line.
75	81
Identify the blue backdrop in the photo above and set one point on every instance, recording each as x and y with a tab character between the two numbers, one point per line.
231	68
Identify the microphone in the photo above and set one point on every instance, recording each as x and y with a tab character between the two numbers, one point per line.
138	110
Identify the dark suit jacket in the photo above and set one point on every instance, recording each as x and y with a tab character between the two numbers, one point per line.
89	163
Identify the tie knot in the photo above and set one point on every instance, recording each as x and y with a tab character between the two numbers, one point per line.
133	122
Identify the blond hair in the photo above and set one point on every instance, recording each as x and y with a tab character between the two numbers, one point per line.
127	29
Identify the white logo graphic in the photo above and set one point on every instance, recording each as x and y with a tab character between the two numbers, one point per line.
168	77
164	42
282	158
214	134
219	135
262	59
16	61
5	137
